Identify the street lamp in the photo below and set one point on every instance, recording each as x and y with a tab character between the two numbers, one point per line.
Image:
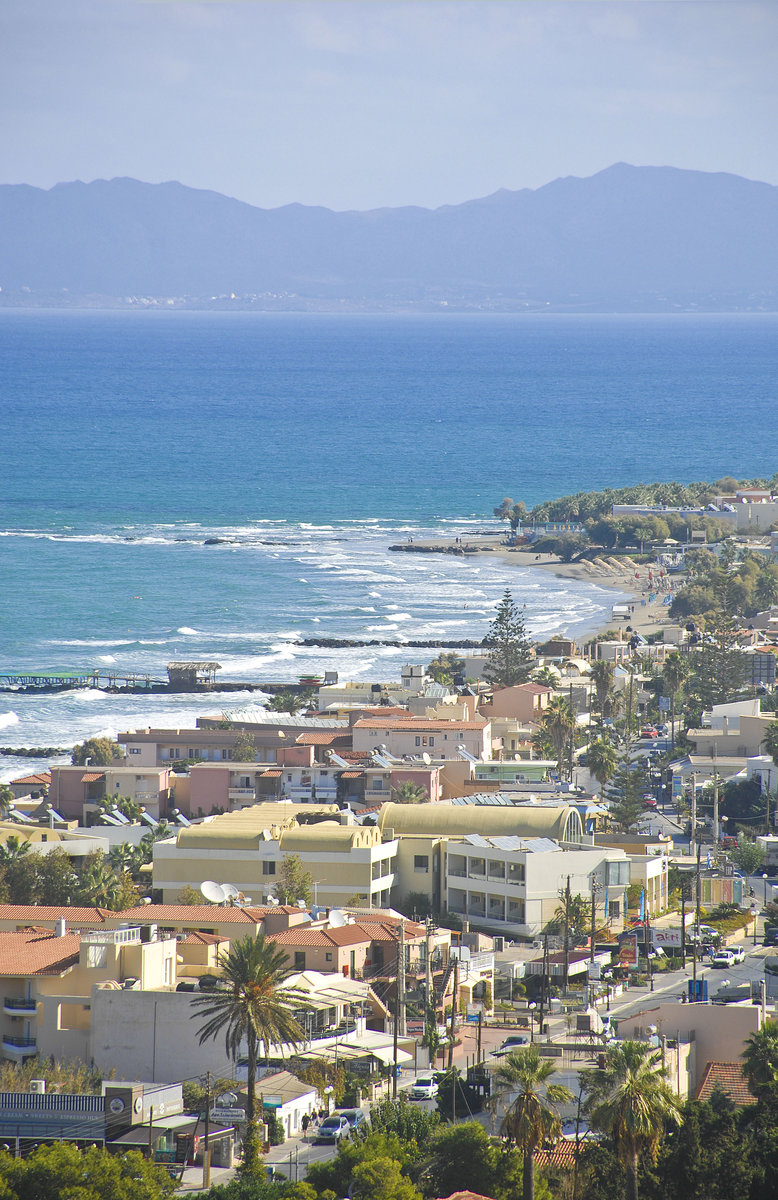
532	1021
764	881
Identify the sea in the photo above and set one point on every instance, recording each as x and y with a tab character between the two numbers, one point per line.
184	485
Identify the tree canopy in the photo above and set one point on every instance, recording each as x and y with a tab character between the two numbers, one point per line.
510	657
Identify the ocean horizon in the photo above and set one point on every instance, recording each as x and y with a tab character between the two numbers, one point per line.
207	485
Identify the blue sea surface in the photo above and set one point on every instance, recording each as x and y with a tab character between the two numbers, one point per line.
310	443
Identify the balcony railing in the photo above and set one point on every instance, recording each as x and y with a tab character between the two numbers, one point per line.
19	1045
18	1005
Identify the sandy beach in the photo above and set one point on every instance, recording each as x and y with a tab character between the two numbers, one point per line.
629	578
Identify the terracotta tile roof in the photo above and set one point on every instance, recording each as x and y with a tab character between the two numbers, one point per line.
561	1155
43	779
466	1196
351	774
324	737
418	724
273	773
92	776
203	939
347	935
25	914
37	953
210	914
729	1079
387	931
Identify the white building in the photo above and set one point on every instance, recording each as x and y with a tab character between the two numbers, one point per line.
513	885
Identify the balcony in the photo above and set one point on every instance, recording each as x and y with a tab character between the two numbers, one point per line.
238	793
19	1047
18	1006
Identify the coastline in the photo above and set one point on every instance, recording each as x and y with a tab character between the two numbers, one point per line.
628	581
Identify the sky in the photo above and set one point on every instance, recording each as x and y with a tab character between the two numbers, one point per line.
358	104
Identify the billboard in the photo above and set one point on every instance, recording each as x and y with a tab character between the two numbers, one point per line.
666	937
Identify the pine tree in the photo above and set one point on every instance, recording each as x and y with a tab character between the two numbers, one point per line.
511	656
625	794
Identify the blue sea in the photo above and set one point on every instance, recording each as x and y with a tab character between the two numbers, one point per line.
311	443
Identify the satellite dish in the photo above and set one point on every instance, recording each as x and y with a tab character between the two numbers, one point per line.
230	891
213	892
337	918
426	758
228	1099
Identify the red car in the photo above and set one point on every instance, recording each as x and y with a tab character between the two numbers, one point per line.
648	733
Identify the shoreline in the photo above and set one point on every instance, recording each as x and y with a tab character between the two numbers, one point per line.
629	580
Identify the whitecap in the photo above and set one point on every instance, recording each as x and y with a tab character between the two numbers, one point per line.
187	632
8	719
106	658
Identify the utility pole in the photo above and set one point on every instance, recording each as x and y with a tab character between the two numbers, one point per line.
454	995
696	943
480	1027
542	984
594	915
683	924
715	798
206	1147
428	962
693	838
401	982
566	967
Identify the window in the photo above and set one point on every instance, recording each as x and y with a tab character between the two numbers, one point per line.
432	741
418	741
328	956
97	956
268	868
614	908
299	960
168	968
192	753
618	874
134	749
378	784
289	779
421	862
224	755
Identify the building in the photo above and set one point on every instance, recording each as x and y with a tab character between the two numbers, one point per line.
414	736
75	791
513	885
246	848
49	978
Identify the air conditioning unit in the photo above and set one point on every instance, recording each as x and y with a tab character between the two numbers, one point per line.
38	1087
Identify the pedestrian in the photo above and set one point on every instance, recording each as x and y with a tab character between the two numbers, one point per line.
305	1123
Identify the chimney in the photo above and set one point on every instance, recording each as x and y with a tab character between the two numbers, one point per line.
61	927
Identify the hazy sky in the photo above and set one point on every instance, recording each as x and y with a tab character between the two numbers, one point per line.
363	103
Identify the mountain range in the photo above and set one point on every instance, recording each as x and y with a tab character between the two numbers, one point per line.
626	239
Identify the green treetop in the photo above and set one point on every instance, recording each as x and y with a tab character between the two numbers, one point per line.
511	656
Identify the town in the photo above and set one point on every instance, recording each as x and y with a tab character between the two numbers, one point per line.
426	936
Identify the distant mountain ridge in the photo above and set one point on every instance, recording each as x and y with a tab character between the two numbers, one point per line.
626	239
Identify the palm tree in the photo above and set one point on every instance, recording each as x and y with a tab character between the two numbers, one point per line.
6	799
630	1100
770	741
531	1118
760	1057
410	793
602	761
14	849
253	1005
559	722
602	673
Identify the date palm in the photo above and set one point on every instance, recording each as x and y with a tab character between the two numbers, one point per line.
630	1100
674	672
559	723
531	1116
602	675
254	1006
602	761
760	1057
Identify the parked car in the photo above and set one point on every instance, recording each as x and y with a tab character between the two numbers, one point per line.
512	1043
649	733
355	1117
424	1088
739	953
332	1129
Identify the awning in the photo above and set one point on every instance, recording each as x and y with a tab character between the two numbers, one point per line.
183	1123
385	1054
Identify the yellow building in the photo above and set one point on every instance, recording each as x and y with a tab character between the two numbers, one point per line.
247	848
48	977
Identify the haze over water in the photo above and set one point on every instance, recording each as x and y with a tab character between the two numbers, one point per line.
310	443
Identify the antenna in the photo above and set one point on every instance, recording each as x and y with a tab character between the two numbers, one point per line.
213	892
425	758
337	918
